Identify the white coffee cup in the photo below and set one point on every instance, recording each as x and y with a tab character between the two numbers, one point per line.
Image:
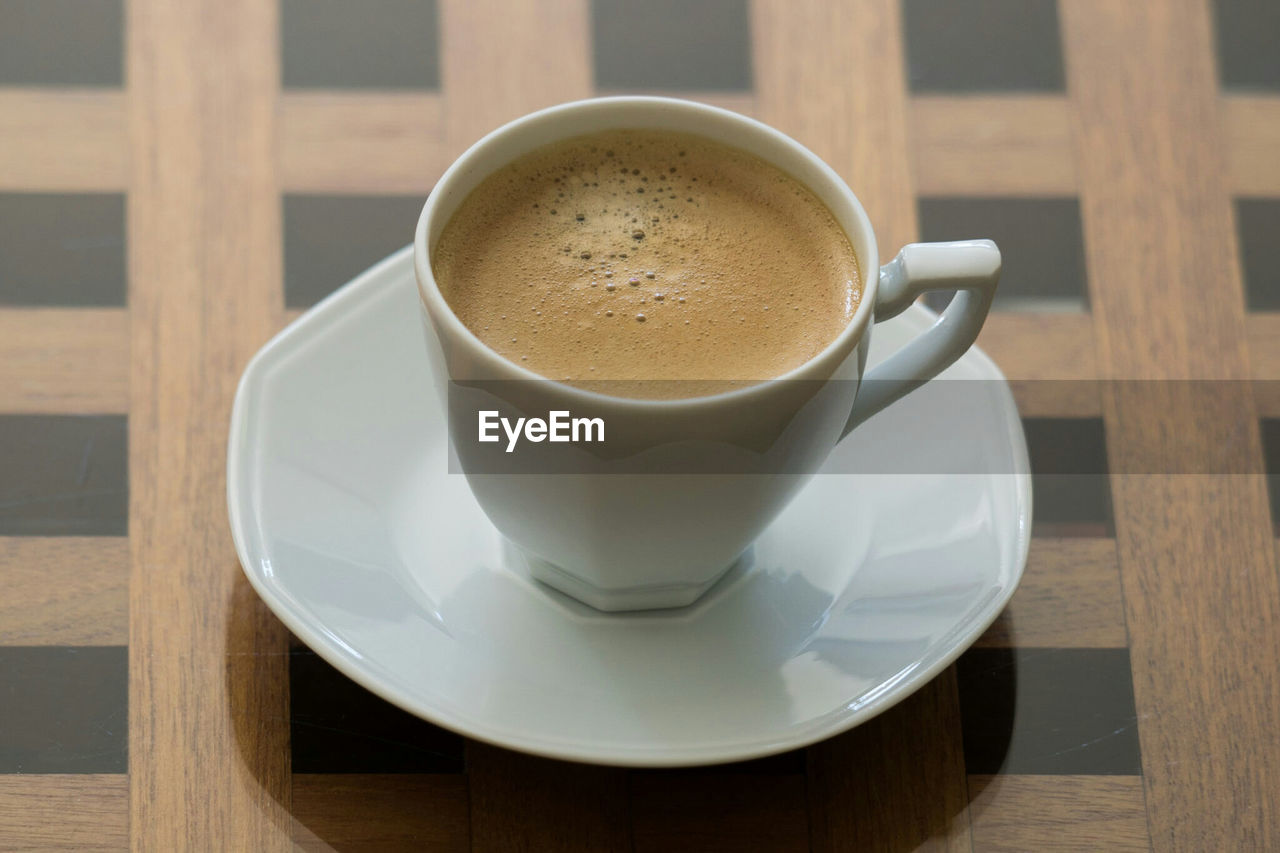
627	541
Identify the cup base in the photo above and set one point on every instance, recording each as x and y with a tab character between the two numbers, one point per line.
623	599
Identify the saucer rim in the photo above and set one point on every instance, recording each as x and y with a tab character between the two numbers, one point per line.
324	315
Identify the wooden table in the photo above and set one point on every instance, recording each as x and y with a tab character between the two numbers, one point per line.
179	180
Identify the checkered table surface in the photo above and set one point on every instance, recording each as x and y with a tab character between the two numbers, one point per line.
179	180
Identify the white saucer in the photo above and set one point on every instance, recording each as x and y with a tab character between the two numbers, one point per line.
352	530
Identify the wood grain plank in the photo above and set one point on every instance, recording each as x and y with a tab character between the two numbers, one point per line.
1070	597
337	142
806	56
832	76
501	61
1058	813
519	802
1264	345
353	811
1202	596
64	591
706	812
1049	360
1001	145
890	784
66	361
208	708
1041	346
63	139
1251	134
64	812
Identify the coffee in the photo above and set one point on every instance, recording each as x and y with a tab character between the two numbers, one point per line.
643	255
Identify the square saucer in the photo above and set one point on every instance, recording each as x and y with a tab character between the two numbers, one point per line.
352	529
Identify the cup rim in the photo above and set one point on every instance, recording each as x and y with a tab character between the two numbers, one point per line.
811	369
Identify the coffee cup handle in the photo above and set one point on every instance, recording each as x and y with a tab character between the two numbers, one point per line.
972	268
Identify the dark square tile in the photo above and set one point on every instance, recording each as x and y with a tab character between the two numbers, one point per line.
1258	225
62	249
329	239
64	475
1248	43
1069	475
64	709
983	45
359	44
1048	711
339	727
1041	241
1271	453
672	46
61	42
